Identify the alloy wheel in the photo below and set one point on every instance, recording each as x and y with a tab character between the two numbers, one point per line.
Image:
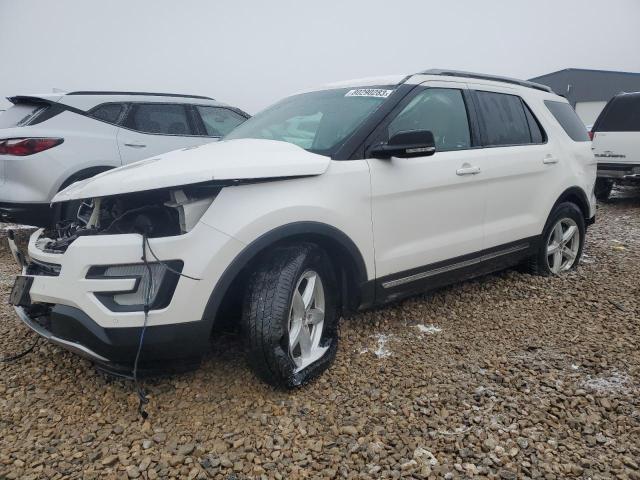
306	320
563	245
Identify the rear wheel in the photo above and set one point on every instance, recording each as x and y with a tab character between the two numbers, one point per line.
562	241
602	189
290	316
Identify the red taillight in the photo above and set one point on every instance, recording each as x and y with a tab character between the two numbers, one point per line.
21	147
590	135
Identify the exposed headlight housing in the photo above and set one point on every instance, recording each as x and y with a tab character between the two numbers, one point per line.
162	283
190	209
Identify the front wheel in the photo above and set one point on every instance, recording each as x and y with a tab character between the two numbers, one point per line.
561	243
290	316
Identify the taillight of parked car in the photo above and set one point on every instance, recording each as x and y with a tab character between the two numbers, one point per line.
21	147
590	133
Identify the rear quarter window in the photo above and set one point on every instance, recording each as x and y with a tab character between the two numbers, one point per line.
622	114
108	112
21	114
568	120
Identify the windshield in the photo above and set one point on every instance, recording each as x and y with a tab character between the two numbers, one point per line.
316	121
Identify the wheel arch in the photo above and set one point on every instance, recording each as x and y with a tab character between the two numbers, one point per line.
84	174
347	259
577	196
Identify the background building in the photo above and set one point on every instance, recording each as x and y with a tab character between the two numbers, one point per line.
589	90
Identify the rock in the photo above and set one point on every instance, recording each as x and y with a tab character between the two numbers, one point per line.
159	437
144	464
109	460
147	444
132	471
411	464
349	430
186	449
507	475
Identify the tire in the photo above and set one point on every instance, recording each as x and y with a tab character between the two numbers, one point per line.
269	303
602	189
566	215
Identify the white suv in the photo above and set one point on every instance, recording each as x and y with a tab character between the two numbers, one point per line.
48	142
616	143
336	199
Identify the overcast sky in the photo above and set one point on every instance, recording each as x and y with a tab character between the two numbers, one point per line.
250	53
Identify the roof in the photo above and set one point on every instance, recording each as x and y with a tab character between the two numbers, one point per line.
586	70
146	94
584	85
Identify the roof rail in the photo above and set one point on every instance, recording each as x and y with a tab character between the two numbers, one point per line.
482	76
151	94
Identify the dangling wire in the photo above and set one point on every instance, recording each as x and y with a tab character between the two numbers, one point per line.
18	356
142	396
146	239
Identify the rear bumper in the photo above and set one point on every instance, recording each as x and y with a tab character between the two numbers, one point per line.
619	171
115	348
38	214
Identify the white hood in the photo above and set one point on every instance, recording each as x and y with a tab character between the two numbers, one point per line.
226	160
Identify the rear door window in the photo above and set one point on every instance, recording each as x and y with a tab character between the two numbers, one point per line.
219	121
159	118
21	114
568	120
503	120
108	112
621	115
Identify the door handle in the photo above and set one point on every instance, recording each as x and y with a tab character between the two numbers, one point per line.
467	169
135	145
549	160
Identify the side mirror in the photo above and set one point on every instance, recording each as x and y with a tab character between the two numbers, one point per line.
412	143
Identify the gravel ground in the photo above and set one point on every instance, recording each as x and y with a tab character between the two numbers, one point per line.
509	376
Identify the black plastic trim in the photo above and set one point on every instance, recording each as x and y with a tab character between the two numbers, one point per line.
186	340
454	270
264	242
352	148
161	300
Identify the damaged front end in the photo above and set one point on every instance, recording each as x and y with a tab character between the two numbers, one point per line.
156	213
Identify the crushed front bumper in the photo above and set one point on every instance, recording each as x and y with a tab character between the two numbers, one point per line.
63	303
115	348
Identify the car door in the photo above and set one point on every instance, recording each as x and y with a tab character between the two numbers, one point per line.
153	128
521	167
428	211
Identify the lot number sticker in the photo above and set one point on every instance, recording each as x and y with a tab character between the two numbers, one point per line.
369	92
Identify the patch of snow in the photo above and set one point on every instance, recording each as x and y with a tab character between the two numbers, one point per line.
574	366
4	227
382	351
428	329
615	382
